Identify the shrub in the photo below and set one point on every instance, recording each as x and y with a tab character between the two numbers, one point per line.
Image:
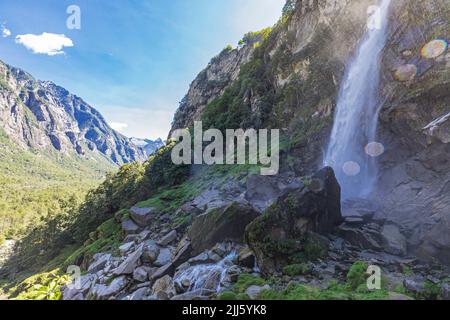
357	275
296	269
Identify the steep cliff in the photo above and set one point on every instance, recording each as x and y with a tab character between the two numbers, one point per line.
43	116
291	80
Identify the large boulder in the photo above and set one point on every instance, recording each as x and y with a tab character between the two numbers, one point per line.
220	224
288	231
143	216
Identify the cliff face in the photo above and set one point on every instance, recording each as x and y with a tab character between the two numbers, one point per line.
414	187
44	116
291	80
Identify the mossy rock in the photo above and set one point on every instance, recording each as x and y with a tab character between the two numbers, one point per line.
221	224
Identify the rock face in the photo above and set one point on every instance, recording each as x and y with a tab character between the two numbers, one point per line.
211	83
221	224
414	185
289	226
42	115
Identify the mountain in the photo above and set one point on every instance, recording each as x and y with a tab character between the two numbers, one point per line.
43	116
147	146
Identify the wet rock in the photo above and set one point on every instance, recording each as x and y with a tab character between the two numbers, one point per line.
129	227
164	257
164	288
130	263
150	251
220	224
168	238
143	216
254	291
291	224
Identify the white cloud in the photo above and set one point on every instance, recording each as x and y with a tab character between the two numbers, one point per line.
118	126
5	32
151	123
46	43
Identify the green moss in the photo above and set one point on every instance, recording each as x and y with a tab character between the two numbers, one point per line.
228	295
246	280
334	291
296	269
357	275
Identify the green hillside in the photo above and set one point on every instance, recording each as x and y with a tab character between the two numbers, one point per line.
32	185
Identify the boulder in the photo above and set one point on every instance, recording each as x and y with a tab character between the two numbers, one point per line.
150	251
126	247
254	291
168	269
130	263
141	274
99	262
263	191
168	238
287	231
129	227
220	224
86	283
164	288
142	216
393	241
183	252
164	257
104	292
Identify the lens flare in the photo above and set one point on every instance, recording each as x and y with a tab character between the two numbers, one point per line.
374	149
406	72
434	49
351	168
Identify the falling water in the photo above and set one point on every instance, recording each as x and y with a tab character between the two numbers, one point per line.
352	148
209	276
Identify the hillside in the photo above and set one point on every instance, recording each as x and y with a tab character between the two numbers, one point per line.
157	231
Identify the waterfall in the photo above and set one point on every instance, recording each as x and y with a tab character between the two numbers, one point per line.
209	276
352	148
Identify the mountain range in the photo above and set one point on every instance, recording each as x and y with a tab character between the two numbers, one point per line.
43	116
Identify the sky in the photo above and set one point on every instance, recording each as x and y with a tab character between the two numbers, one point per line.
131	60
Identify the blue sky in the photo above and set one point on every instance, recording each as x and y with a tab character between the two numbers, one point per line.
132	60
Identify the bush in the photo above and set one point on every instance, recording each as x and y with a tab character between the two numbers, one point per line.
357	275
296	269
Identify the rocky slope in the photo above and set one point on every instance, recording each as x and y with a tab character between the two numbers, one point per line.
43	116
